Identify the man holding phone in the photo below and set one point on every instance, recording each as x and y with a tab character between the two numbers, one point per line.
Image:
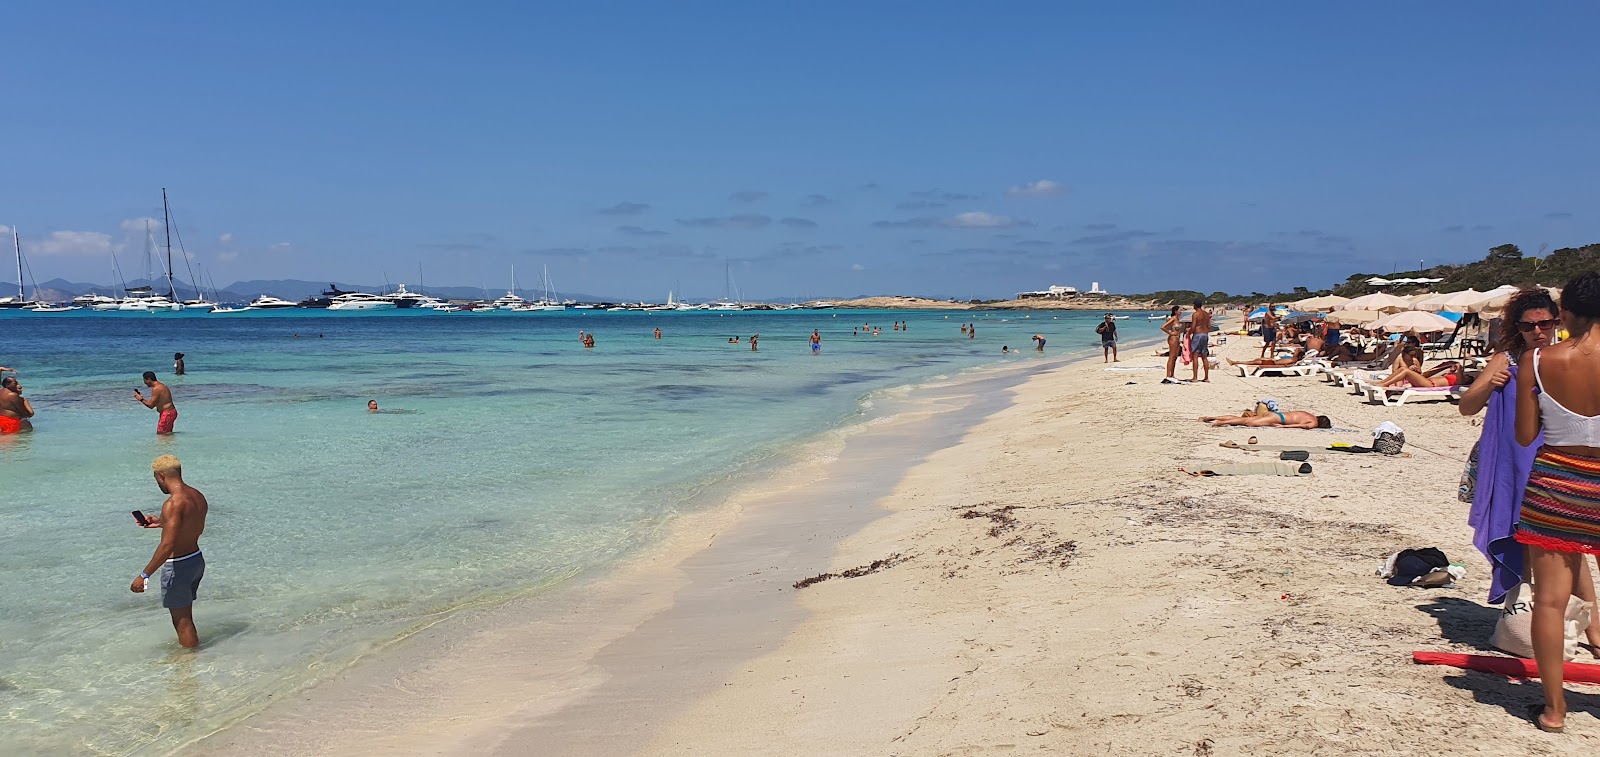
160	400
182	520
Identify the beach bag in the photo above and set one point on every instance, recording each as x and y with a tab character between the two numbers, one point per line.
1469	476
1388	438
1513	633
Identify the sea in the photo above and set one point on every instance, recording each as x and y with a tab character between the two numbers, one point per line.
506	459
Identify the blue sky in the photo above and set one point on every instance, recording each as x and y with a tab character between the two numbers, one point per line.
826	149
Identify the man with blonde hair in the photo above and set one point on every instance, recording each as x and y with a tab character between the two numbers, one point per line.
182	520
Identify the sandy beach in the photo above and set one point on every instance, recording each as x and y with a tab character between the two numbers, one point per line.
1039	576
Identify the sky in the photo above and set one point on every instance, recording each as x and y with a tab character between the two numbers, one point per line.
814	149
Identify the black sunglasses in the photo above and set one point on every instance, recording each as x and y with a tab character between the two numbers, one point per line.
1527	326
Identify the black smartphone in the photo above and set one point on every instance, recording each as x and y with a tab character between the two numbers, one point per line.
140	519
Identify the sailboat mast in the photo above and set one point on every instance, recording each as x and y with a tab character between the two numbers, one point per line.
166	218
17	241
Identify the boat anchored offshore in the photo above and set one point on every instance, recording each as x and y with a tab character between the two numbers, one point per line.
268	302
361	301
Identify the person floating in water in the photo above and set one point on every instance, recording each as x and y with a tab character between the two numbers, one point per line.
733	340
177	363
15	410
372	406
177	556
816	342
1005	349
160	400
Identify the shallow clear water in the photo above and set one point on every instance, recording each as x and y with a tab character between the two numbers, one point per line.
516	459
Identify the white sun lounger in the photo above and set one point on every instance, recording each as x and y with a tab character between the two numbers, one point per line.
1301	369
1394	397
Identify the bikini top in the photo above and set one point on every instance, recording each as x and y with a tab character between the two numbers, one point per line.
1562	427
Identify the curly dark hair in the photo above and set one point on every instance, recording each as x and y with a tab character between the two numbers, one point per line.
1527	298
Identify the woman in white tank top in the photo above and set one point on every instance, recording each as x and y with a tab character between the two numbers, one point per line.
1560	518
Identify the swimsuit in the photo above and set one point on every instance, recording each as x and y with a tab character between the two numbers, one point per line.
164	423
9	425
180	580
1200	345
816	346
1282	420
1452	378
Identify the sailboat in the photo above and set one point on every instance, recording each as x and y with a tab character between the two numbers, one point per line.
21	300
143	299
726	303
511	301
547	300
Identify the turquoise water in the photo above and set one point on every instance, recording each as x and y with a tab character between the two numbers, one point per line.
518	459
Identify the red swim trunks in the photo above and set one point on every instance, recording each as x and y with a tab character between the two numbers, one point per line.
168	417
10	425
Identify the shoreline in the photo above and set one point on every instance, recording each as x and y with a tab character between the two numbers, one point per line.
418	685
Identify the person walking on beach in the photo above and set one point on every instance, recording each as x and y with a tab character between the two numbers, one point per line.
160	400
1559	520
1172	327
1269	330
15	410
177	556
1200	341
816	342
177	363
1108	339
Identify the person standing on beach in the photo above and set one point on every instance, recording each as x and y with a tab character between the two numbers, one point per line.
177	556
15	410
1200	341
1173	327
177	363
1108	339
816	342
160	400
1269	330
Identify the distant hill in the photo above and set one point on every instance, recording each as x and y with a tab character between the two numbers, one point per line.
1503	265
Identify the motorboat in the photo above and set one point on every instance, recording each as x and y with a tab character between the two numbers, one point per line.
509	302
92	300
49	308
323	300
227	310
200	304
268	302
361	301
404	299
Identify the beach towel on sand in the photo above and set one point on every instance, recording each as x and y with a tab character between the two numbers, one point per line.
1266	468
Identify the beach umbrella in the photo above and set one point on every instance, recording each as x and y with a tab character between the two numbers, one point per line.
1418	299
1495	299
1454	302
1354	317
1378	301
1257	314
1327	302
1414	322
1294	319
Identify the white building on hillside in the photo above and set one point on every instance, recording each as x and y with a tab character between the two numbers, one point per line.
1095	289
1056	292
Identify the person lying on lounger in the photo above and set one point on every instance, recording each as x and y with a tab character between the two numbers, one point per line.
1444	374
1298	354
1280	419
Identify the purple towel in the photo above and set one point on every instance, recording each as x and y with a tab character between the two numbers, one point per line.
1503	467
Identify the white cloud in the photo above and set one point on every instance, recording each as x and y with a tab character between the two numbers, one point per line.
72	243
5	229
227	257
280	246
137	225
1040	188
858	267
978	219
226	238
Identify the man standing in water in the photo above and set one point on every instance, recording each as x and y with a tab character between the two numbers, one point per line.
15	410
1200	341
816	342
160	400
182	520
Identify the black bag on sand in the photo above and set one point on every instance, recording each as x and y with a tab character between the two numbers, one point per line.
1294	454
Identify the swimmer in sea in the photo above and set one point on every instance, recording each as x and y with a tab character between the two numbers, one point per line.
177	363
733	340
753	339
1005	349
372	406
816	342
658	333
15	410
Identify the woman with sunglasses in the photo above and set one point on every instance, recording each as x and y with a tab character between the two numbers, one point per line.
1560	520
1529	322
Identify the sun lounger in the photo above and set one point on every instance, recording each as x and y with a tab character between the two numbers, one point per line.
1395	396
1298	369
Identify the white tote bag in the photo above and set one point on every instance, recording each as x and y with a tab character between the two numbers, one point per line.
1514	632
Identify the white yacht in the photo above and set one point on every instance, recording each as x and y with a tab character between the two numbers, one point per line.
227	310
268	302
361	301
92	300
509	302
48	308
404	299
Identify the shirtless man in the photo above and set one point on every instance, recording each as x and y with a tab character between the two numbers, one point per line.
182	520
15	409
1200	341
372	406
816	342
1285	419
1269	330
160	400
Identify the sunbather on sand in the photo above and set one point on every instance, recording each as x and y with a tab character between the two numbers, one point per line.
1282	419
1445	374
1296	356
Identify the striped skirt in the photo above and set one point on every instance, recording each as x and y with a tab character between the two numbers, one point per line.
1561	505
